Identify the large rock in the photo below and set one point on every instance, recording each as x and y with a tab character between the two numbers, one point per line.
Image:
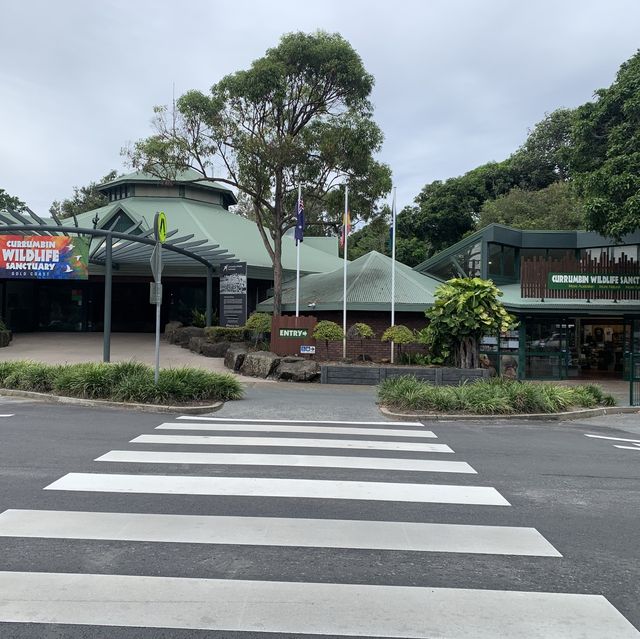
196	343
234	357
219	349
183	334
296	369
170	331
259	364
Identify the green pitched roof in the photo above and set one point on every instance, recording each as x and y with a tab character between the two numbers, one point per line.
212	222
188	176
368	288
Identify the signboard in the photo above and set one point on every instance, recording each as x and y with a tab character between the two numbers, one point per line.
155	293
233	294
592	282
45	257
160	227
294	333
307	350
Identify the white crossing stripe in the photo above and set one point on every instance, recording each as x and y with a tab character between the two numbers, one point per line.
286	428
271	487
8	415
305	608
615	439
272	531
295	421
304	461
290	442
636	447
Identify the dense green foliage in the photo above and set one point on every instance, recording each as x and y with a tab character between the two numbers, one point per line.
360	330
605	158
227	334
489	397
555	207
299	114
399	334
371	237
125	382
10	202
328	331
84	198
464	311
259	323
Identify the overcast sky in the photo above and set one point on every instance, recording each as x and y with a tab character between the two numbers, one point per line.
458	82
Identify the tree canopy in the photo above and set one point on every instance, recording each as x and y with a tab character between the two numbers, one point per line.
299	115
605	158
555	207
84	198
10	202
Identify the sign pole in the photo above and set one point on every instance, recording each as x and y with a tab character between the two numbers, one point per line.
298	256
158	304
155	294
346	221
393	268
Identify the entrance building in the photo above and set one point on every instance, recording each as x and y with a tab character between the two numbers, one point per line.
576	295
198	217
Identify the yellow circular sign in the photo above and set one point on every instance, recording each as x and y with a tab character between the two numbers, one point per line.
160	226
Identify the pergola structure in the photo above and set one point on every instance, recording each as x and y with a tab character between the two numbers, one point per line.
131	246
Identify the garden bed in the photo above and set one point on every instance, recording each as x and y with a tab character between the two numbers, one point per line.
121	382
374	374
496	396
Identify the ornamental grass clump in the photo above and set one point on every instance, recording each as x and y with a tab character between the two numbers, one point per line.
496	396
123	381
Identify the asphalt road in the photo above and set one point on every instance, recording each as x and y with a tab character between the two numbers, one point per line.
581	495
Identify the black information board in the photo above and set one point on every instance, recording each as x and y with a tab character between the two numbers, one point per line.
233	294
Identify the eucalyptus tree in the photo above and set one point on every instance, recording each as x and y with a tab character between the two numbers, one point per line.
301	114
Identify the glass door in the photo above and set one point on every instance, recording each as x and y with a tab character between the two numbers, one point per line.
546	351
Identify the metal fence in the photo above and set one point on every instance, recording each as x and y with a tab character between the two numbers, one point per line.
634	378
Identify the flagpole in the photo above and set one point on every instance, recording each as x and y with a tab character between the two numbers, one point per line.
298	256
345	227
393	267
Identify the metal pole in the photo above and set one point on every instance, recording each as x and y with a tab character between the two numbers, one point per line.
345	223
298	257
158	305
209	298
393	268
108	269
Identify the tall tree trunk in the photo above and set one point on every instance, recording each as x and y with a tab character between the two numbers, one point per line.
277	274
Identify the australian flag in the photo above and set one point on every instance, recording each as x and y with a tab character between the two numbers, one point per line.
299	234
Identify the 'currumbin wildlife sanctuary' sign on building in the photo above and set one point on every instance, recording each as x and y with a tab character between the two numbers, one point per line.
592	282
51	257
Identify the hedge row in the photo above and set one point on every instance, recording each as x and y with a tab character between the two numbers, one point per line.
124	382
490	397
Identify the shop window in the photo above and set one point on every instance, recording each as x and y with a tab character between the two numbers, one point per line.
495	256
445	271
502	261
181	191
470	259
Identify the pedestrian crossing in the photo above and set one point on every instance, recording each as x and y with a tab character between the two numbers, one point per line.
389	466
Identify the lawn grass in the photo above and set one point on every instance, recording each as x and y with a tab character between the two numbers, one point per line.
495	396
123	381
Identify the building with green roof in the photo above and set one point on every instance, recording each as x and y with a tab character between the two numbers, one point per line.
193	207
585	324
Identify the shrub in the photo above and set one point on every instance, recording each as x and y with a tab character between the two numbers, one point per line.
497	396
399	334
329	332
226	334
198	318
258	324
465	310
125	381
360	331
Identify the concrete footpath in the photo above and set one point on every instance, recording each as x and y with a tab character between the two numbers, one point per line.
73	348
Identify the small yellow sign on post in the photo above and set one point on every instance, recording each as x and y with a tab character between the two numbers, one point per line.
160	227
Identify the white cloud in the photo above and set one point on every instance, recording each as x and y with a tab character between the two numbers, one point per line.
458	83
